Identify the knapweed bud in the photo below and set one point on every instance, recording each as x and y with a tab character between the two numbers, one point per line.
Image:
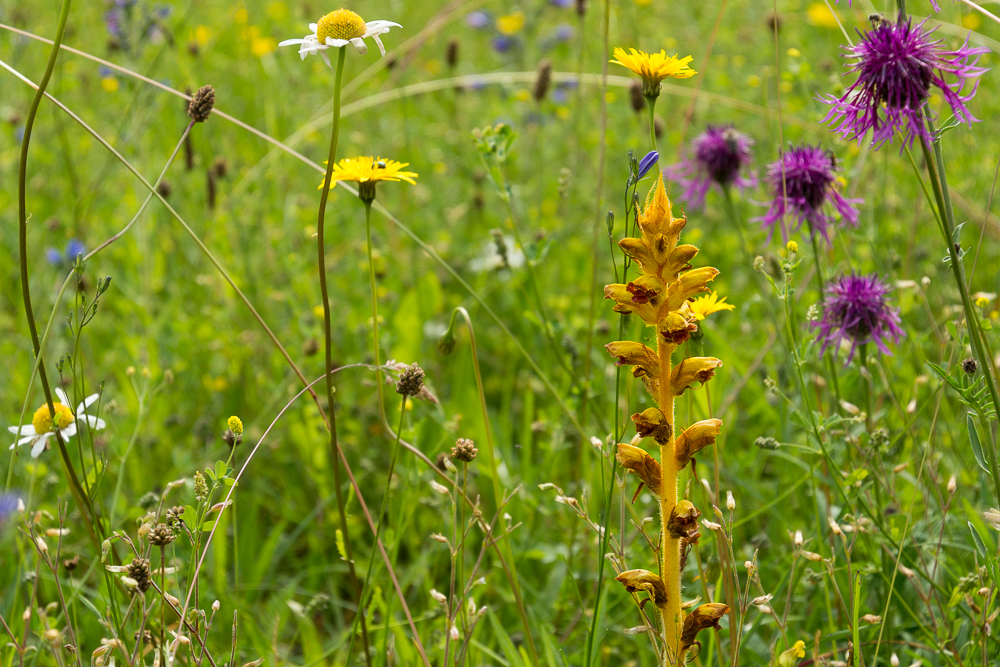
464	450
543	80
970	366
647	162
636	98
200	106
766	443
705	616
160	536
411	381
138	571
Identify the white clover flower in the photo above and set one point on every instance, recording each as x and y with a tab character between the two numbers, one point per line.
43	426
336	30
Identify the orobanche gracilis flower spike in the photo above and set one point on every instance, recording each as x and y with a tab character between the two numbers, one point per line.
338	29
43	425
803	184
856	310
897	66
717	156
661	296
654	68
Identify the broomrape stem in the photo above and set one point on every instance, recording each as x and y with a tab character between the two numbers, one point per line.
328	338
670	548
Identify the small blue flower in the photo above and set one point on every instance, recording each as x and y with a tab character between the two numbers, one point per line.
502	43
73	249
646	163
563	4
8	507
564	32
478	20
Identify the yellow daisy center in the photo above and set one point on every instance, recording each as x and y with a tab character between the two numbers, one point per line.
42	420
341	24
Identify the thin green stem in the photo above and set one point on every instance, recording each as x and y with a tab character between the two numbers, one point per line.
328	336
504	542
651	104
378	530
821	286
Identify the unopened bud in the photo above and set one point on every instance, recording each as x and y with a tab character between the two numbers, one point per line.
798	540
438	596
730	501
711	525
761	599
835	527
637	630
42	546
438	537
454	634
871	618
809	555
894	660
952	484
440	488
216	605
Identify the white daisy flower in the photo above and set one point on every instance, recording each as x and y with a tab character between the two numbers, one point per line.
43	426
337	29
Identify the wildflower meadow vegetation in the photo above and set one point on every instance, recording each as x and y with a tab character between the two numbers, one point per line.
499	332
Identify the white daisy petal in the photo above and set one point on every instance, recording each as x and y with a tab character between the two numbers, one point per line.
314	27
27	429
360	45
39	446
326	59
67	432
25	440
330	41
379	42
63	398
93	422
87	402
289	42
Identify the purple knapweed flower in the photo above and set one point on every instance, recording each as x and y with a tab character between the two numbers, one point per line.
856	309
646	163
717	156
478	20
897	64
802	183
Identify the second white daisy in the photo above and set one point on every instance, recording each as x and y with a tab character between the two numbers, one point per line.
43	425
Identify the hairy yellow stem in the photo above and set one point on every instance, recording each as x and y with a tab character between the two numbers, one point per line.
670	547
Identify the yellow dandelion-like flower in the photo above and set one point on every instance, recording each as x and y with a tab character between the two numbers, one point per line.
708	304
654	68
366	171
511	23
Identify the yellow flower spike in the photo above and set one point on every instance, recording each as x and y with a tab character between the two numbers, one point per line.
705	616
687	285
680	260
644	580
654	68
630	353
692	370
683	521
695	438
235	425
635	298
642	464
652	423
708	304
791	657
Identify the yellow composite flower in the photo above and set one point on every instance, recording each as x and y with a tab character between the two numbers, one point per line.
708	304
654	67
511	24
366	169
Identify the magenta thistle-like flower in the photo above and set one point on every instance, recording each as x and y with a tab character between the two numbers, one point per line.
897	65
718	155
803	185
856	309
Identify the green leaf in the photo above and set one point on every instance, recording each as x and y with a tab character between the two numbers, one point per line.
980	545
190	515
221	469
208	526
977	447
341	549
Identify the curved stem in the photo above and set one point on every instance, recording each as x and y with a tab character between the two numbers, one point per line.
328	335
86	511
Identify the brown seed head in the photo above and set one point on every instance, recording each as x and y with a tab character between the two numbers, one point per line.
464	450
543	80
160	535
201	104
411	381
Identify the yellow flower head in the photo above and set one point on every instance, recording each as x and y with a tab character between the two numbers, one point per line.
654	68
511	23
366	171
708	304
341	24
235	425
43	422
982	302
792	247
792	656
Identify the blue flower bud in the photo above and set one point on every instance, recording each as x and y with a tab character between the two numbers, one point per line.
647	163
